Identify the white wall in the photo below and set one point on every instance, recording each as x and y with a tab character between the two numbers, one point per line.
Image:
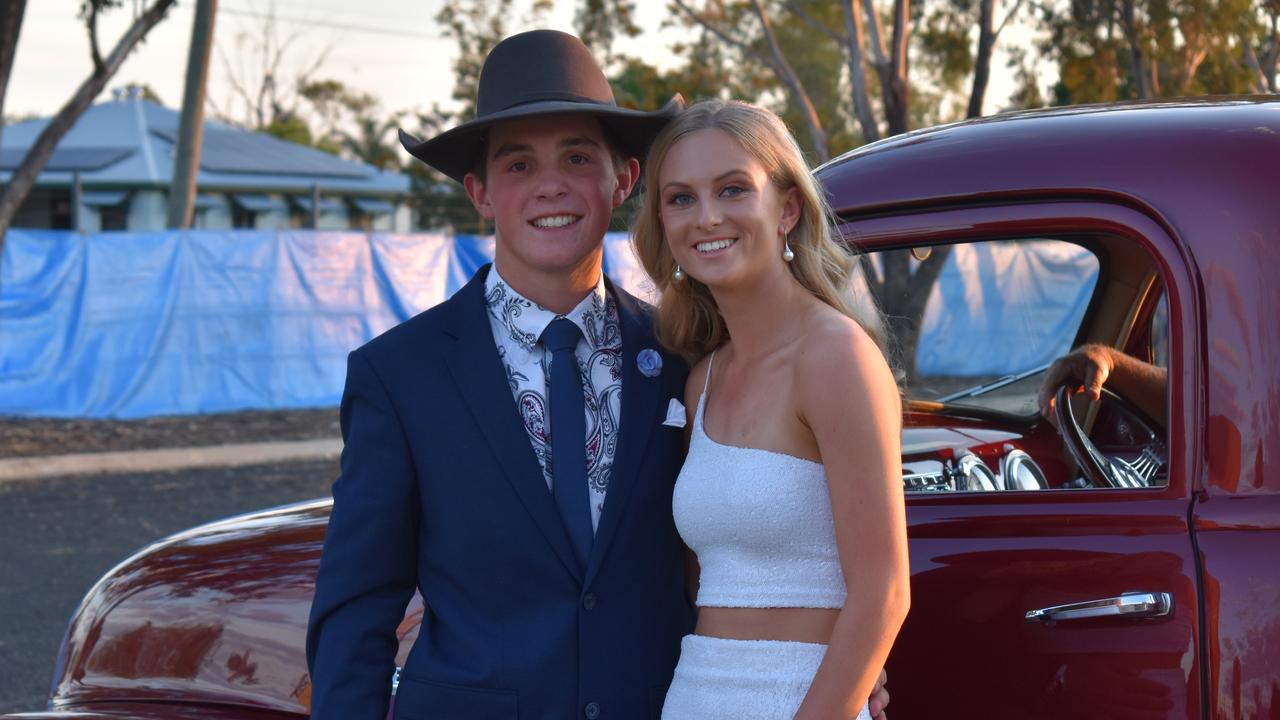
90	219
148	210
336	220
404	219
274	220
215	217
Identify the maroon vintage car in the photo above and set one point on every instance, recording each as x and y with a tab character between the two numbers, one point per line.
1124	567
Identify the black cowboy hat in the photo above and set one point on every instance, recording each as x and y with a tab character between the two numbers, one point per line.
541	72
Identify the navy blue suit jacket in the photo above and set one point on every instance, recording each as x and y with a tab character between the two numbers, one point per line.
440	491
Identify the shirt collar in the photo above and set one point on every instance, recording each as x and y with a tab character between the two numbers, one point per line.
524	319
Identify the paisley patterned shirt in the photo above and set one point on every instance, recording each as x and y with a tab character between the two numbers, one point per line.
517	323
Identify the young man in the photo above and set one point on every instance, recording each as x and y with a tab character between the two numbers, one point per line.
506	451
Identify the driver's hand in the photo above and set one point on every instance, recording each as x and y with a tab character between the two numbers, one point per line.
1089	365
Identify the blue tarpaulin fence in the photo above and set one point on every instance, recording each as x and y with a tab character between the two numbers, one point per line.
130	325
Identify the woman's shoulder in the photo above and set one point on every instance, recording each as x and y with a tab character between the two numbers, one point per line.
837	352
834	340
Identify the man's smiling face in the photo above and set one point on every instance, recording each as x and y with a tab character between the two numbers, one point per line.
551	184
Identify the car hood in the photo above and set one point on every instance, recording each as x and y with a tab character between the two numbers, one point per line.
216	614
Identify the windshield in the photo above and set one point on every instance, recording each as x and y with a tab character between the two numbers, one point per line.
977	324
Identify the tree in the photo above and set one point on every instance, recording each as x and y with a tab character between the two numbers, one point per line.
266	82
369	144
599	22
760	31
104	68
1260	42
475	26
799	42
1141	49
11	13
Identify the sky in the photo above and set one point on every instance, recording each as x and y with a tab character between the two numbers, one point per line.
391	49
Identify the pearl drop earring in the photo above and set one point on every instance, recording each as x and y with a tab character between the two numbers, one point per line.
678	274
787	255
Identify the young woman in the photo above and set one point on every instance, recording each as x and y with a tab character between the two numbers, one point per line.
791	496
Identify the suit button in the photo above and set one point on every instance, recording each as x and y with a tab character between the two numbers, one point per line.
589	601
592	710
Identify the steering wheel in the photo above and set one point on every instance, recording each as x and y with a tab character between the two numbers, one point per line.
1098	469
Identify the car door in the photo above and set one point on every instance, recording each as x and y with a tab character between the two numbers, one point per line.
983	559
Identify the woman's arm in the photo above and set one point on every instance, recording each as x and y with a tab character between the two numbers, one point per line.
848	398
692	394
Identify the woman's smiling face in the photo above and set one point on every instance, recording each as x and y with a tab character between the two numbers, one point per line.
722	215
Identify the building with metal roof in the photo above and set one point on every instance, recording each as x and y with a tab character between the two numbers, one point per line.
112	171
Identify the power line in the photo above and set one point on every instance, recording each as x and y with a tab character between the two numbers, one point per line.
324	23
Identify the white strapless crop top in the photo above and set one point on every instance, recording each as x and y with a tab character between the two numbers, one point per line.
760	523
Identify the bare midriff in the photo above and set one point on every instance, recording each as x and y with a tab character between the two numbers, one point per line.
812	625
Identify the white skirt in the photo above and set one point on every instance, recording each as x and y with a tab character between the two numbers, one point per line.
742	679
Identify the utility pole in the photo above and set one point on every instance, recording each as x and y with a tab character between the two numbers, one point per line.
186	156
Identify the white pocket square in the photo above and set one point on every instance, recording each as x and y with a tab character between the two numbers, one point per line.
675	414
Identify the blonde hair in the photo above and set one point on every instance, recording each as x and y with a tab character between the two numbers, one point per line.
688	320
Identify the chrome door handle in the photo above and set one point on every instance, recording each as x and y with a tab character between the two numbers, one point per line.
1130	605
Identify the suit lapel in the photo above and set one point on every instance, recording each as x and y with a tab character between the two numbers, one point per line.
641	398
482	382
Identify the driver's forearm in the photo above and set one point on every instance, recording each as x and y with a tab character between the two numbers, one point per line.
1145	384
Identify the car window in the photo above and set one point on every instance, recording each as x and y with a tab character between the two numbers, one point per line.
972	330
1159	343
974	324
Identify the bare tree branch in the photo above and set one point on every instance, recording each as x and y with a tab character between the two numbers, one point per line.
91	25
901	17
890	69
982	61
1192	59
24	176
233	81
724	37
872	276
857	76
817	135
897	101
808	19
1137	63
1013	12
1273	47
11	14
877	37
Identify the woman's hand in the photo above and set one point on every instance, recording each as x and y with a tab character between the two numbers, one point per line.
879	699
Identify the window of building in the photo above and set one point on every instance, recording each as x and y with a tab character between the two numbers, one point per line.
242	217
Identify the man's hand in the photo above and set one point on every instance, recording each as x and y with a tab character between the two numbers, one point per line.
1089	365
879	699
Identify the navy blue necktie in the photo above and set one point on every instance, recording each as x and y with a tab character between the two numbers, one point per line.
569	435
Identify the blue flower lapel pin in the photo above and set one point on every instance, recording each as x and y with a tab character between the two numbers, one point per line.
649	362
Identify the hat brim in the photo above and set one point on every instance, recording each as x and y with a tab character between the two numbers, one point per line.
455	151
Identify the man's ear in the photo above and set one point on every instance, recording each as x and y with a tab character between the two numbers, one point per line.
628	175
479	195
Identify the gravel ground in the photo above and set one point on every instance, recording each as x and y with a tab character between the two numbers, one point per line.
28	437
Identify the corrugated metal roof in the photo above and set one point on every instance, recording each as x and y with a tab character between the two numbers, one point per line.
373	206
205	201
131	142
260	203
327	204
103	198
68	158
